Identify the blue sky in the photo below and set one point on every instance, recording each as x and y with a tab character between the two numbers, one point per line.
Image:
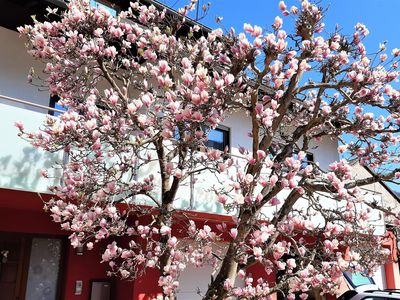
381	16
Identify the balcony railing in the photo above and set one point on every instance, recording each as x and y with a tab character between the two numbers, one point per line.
21	163
20	166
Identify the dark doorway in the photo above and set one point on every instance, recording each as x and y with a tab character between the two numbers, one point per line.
14	250
30	267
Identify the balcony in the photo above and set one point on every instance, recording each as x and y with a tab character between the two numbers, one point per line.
20	163
20	166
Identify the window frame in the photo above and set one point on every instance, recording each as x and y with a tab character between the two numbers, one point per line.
53	102
226	138
308	159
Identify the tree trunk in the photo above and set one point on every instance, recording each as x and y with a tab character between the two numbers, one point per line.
229	267
228	270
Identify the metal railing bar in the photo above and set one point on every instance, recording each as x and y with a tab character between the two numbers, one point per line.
31	104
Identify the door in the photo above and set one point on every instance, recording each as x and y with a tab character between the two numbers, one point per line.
13	266
44	269
29	267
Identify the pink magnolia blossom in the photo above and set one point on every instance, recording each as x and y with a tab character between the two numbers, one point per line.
277	23
137	134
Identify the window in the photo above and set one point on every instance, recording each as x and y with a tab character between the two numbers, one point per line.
104	4
218	138
54	104
307	160
357	279
276	148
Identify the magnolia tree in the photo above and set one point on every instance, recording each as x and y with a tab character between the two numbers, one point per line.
142	92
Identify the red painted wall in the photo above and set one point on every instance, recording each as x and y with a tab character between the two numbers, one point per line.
22	212
86	268
122	289
146	287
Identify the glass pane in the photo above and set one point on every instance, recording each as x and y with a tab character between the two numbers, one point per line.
217	139
97	4
44	268
358	279
58	106
307	160
216	136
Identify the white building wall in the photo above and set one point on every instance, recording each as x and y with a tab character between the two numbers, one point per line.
325	152
239	124
389	201
193	282
15	64
380	277
20	163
